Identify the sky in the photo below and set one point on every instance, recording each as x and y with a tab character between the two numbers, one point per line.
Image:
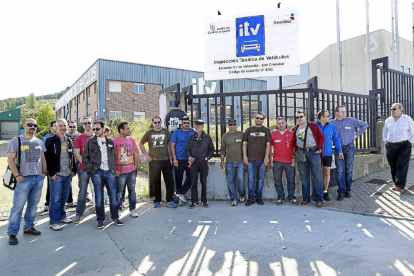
46	46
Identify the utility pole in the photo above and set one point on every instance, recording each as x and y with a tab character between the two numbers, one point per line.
397	37
338	47
368	47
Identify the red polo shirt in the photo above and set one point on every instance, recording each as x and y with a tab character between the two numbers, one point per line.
80	142
283	146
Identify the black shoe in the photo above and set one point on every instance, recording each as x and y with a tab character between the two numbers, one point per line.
13	240
259	201
32	231
204	204
348	194
249	202
193	205
326	196
340	197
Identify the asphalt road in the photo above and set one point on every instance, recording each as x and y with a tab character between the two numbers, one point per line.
220	240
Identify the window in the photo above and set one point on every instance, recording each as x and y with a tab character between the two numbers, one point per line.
139	116
138	88
115	114
114	86
402	69
408	70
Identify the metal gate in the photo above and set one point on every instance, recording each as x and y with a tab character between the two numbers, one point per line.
9	130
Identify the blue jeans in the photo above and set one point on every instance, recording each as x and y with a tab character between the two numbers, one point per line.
312	167
278	168
344	168
83	178
235	173
128	179
59	192
181	188
257	173
30	190
100	179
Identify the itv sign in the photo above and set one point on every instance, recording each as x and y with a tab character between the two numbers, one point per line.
250	36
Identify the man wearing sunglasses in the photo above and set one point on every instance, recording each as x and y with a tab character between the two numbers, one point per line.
158	139
256	146
232	148
331	136
53	131
398	135
72	133
61	166
348	129
29	175
99	161
83	176
179	140
309	139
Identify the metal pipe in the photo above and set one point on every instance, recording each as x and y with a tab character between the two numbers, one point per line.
338	47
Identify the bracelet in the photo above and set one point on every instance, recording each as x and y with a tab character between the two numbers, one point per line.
44	172
17	176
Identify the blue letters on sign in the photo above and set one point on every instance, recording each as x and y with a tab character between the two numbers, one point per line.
250	36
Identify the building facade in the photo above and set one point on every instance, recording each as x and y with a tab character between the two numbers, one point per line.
111	89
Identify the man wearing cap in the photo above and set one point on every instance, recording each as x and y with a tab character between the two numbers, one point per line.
179	140
158	139
256	144
232	148
199	150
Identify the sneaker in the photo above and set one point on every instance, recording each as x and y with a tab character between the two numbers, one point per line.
78	219
193	205
172	204
134	213
260	201
280	201
156	204
182	198
242	199
326	196
100	224
118	222
13	240
204	204
66	220
181	203
234	203
249	203
32	231
348	194
46	209
340	197
55	227
71	205
294	201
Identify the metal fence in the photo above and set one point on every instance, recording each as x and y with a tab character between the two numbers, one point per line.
217	108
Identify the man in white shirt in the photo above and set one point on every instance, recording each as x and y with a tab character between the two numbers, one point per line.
398	134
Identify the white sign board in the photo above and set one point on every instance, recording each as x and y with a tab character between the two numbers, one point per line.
252	44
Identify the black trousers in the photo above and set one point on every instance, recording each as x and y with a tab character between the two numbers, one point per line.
156	167
202	168
398	156
70	197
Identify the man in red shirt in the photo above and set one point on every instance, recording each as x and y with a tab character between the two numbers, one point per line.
283	160
83	176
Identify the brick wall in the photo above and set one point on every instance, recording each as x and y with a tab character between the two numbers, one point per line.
128	102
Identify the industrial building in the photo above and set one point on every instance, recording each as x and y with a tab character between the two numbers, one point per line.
10	123
110	89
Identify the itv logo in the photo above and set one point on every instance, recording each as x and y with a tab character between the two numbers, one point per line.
250	36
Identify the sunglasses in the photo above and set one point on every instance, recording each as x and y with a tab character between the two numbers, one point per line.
157	123
393	109
300	117
72	127
259	118
31	125
186	123
96	129
88	123
232	124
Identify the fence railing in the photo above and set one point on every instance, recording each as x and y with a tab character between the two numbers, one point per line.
216	109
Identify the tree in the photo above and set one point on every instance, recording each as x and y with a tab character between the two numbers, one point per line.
31	101
3	106
12	104
45	115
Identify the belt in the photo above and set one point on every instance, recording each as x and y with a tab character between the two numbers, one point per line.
400	143
344	146
311	149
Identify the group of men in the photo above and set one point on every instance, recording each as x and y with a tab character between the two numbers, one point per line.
112	163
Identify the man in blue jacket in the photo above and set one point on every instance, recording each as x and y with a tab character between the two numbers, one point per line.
348	129
331	135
